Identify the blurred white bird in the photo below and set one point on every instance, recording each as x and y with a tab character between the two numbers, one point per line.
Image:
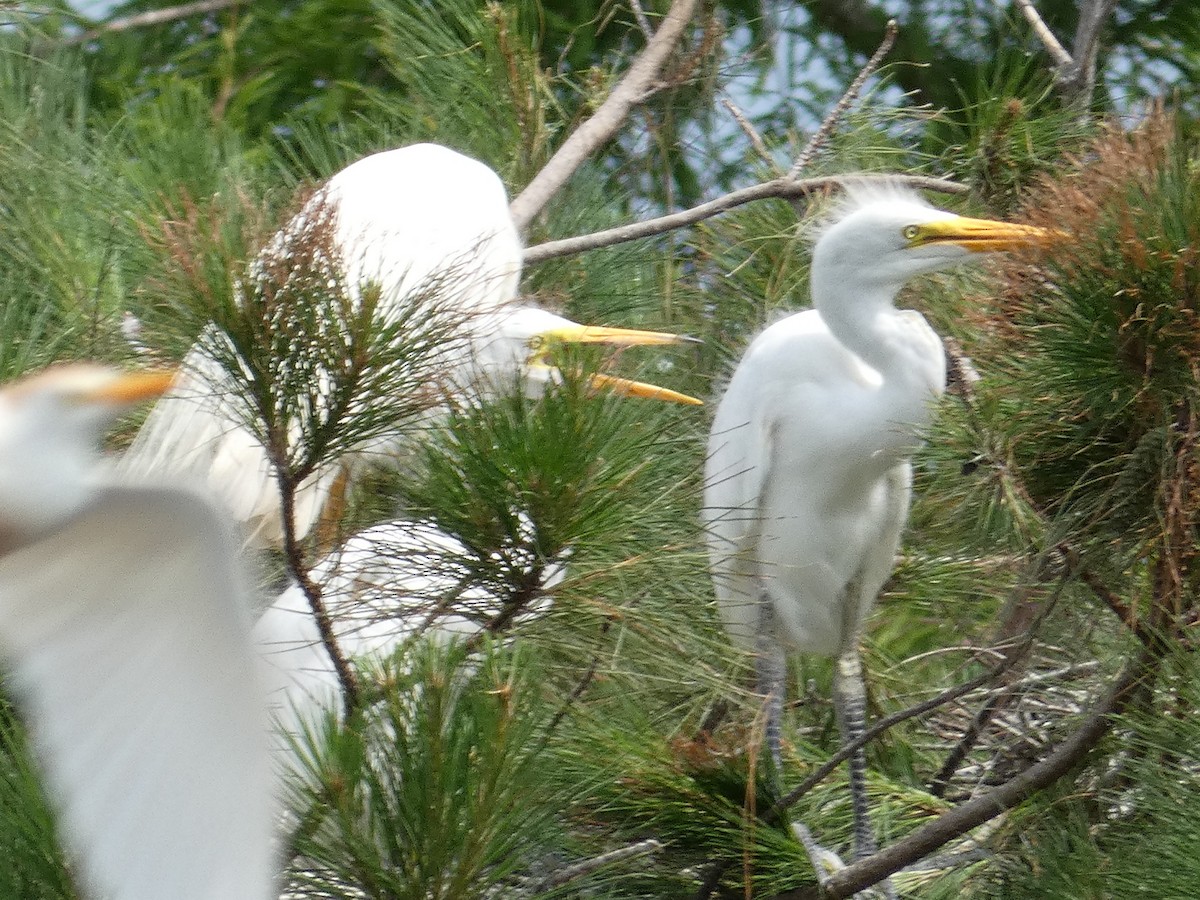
808	479
124	628
387	585
431	228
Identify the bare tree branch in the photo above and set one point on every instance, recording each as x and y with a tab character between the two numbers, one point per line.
607	119
578	870
1010	656
780	187
985	806
153	17
1080	77
640	15
1056	50
756	141
831	119
1074	72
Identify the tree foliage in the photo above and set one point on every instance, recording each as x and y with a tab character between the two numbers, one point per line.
1052	540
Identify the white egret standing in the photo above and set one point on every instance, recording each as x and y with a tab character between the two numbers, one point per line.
417	221
124	629
808	479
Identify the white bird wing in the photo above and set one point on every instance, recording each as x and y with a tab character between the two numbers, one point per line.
781	381
127	638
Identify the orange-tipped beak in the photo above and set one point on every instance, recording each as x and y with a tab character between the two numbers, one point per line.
982	235
132	387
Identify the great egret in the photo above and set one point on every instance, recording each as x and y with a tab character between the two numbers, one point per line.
808	479
125	632
417	221
389	584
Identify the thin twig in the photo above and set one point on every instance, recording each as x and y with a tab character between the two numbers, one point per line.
583	685
640	15
941	781
779	187
153	17
756	141
1122	610
601	127
775	814
996	702
848	98
578	870
1056	50
312	593
961	819
1007	662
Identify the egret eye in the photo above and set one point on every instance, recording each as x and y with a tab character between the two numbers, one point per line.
910	232
537	342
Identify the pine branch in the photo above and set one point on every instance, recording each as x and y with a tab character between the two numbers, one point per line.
312	593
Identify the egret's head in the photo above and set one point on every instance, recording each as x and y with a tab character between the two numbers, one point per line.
878	238
76	401
524	341
51	424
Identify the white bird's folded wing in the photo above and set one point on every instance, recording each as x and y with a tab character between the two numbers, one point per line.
127	645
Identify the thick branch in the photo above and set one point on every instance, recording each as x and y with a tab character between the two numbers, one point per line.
784	188
593	133
153	17
578	870
1079	78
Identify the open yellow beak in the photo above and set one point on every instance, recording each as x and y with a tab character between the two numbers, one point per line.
132	387
614	337
627	388
981	235
621	337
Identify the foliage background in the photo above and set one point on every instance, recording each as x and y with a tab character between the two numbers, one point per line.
586	732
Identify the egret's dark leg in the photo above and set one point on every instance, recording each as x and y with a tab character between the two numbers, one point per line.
770	666
771	669
850	702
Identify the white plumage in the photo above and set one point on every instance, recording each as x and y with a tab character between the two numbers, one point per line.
414	220
124	626
393	583
808	479
431	228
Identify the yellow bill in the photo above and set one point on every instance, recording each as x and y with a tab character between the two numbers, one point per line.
627	388
614	337
980	235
